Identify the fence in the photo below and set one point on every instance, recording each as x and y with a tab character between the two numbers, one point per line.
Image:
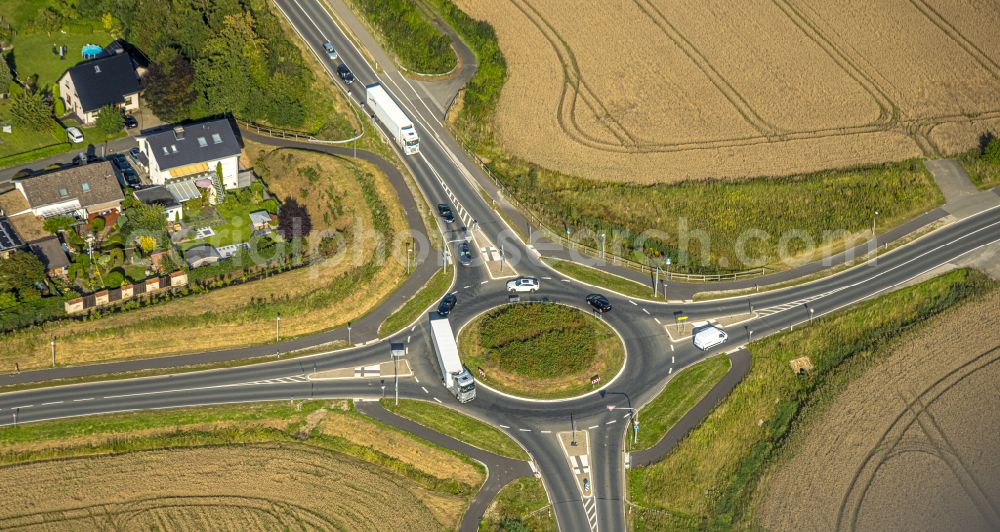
610	258
293	135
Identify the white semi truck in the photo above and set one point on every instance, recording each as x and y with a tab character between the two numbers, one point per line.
395	120
455	377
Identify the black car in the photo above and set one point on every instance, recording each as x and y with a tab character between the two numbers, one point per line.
599	302
447	304
131	122
345	74
464	254
445	211
120	161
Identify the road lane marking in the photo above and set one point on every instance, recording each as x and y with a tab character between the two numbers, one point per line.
547	278
466	286
408	339
593	426
484	282
612	421
566	280
671	371
546	432
52	403
671	347
84	399
436	399
424	389
25	406
413	328
646	311
416	379
524	430
504	427
657	320
633	302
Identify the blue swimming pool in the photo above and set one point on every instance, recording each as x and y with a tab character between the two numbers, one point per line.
91	50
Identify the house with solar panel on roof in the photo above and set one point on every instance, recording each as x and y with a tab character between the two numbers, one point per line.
186	156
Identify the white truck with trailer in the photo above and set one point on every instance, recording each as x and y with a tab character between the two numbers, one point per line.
708	337
393	118
455	377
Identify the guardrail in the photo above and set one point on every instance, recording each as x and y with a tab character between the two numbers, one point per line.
291	134
610	258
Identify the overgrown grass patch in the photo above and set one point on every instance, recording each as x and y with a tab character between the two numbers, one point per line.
409	34
458	426
520	505
983	173
540	350
708	479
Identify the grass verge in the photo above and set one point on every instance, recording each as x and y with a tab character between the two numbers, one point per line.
680	395
520	505
458	426
983	173
412	309
418	46
593	276
709	478
540	350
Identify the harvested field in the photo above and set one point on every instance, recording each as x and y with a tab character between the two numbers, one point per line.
909	445
214	488
698	89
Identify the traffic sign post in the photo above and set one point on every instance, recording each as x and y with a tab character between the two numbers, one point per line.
396	351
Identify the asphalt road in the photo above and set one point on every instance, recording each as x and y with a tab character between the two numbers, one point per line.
445	174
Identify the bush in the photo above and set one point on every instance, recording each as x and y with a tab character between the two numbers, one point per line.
97	224
110	120
114	279
60	106
55	224
991	153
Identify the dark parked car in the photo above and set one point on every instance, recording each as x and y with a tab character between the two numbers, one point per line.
445	211
131	122
464	254
119	161
599	302
345	74
447	304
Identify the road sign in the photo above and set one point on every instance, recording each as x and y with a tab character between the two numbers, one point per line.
595	379
668	261
681	317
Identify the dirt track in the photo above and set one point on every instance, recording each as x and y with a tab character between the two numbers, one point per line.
910	445
657	91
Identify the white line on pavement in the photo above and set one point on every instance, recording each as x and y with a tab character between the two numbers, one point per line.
436	399
416	379
646	311
84	399
467	286
547	278
546	432
504	427
484	282
424	389
593	426
633	302
657	320
671	347
53	403
671	371
612	421
524	430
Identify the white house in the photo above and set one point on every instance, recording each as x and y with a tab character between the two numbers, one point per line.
190	151
91	85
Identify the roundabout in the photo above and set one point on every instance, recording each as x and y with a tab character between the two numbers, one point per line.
541	350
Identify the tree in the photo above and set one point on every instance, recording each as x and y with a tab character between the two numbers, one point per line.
54	224
114	279
20	272
992	151
29	110
170	87
294	221
48	20
60	106
110	120
143	218
147	243
97	224
6	77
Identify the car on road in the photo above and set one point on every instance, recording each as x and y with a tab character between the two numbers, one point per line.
445	211
130	122
599	302
447	304
345	74
85	158
330	52
464	254
74	134
523	284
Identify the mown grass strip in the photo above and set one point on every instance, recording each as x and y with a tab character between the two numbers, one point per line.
591	276
682	392
435	289
458	426
709	478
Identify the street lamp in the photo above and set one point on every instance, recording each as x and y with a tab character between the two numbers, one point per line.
874	238
396	351
811	311
635	421
349	333
277	324
409	249
749	337
603	240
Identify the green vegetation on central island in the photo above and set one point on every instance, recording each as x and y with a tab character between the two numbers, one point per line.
708	480
540	350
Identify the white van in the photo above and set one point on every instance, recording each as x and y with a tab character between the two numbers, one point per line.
709	337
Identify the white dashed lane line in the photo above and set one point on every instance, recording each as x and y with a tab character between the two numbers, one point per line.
84	399
484	282
52	403
547	278
670	372
546	432
657	320
673	359
612	421
25	406
416	379
566	280
633	302
436	399
646	311
504	427
425	390
593	426
467	286
524	430
671	347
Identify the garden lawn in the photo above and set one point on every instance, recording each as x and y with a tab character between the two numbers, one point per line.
231	227
33	53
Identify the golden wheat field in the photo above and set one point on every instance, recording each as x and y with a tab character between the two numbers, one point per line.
909	445
663	90
253	487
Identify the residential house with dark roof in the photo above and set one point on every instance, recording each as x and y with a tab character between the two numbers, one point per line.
91	85
159	195
80	191
193	151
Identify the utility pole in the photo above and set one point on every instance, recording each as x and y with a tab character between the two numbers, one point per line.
666	279
603	239
349	333
409	249
874	237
